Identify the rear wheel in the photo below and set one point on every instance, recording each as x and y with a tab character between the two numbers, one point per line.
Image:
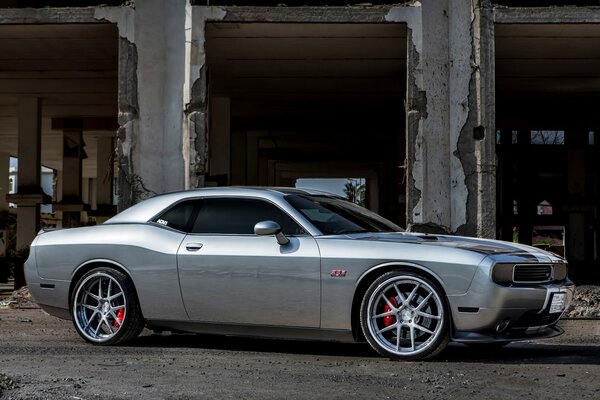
105	308
403	316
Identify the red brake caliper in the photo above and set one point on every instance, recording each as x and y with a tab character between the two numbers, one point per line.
119	320
389	319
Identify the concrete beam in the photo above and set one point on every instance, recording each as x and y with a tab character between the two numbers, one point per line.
547	15
349	14
64	15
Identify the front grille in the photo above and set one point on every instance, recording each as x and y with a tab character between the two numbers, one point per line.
532	273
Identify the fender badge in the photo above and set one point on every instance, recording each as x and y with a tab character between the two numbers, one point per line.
338	273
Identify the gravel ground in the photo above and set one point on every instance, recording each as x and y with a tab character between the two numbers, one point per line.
42	358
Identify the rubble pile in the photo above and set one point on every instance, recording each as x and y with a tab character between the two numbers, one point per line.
586	303
7	383
19	299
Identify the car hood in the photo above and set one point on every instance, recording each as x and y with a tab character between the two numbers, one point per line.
482	246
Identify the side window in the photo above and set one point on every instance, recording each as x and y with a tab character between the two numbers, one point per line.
238	216
178	217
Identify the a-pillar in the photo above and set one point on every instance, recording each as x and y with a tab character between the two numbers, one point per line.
29	194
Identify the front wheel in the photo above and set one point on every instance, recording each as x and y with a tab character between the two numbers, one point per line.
403	316
105	308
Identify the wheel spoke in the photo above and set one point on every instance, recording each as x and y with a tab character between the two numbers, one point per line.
100	287
412	294
89	321
88	306
427	315
105	321
109	287
425	300
422	328
98	327
399	328
387	328
412	338
389	303
114	296
92	295
385	314
116	308
400	295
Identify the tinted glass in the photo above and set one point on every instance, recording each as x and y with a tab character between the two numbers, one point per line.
238	216
334	216
177	217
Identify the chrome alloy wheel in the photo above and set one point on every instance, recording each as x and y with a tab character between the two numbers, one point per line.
405	316
100	307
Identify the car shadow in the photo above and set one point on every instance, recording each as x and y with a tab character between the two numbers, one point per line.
516	353
532	353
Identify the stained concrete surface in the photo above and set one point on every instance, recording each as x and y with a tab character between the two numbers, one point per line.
42	357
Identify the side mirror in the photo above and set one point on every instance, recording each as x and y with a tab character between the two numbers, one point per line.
267	228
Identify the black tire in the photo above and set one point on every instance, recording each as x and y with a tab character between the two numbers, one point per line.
418	325
105	308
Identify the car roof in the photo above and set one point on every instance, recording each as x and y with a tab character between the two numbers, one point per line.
149	208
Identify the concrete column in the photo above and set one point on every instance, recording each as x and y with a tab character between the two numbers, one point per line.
71	203
160	41
220	139
4	179
29	173
450	118
484	132
195	95
104	179
104	167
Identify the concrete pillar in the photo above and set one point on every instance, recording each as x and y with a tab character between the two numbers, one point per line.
220	139
195	95
104	179
104	167
450	140
29	173
4	179
71	203
160	41
484	131
29	194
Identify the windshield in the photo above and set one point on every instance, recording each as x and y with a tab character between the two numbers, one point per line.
334	216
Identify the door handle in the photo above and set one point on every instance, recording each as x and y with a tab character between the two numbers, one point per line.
193	246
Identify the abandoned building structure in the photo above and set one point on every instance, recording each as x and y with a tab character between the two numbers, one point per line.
462	116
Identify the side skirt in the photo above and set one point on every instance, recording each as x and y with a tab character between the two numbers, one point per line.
253	330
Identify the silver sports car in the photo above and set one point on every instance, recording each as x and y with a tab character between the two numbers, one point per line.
293	263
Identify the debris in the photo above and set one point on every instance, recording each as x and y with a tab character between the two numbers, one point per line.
586	303
7	383
19	299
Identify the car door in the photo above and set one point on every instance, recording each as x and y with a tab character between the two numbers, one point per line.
230	275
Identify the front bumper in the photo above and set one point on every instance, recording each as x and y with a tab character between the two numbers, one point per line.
490	312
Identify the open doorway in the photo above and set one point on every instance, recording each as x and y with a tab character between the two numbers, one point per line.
548	87
293	101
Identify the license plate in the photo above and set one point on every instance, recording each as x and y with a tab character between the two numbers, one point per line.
558	303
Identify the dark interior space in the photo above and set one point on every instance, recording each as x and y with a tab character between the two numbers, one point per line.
314	101
548	88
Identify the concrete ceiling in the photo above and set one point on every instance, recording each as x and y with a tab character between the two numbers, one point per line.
73	68
306	61
545	58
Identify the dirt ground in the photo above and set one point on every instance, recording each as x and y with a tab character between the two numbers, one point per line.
41	357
